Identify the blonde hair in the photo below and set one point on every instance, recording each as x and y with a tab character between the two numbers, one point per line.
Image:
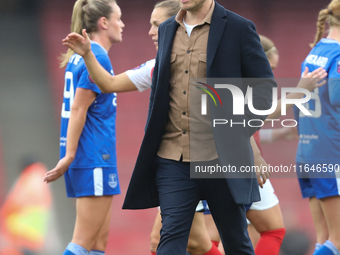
268	46
330	15
172	7
85	14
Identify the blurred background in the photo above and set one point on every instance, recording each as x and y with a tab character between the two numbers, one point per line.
31	94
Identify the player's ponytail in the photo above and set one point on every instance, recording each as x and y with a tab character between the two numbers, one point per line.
331	15
85	14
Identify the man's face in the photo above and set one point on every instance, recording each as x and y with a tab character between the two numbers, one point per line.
158	16
191	5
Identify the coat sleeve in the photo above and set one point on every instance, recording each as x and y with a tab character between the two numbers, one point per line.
257	72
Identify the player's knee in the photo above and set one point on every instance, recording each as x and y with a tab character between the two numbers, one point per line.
195	247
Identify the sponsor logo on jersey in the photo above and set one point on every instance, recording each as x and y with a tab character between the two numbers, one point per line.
338	67
106	156
91	79
317	60
113	182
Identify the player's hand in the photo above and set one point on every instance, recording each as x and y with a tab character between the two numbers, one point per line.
262	172
312	80
79	44
58	171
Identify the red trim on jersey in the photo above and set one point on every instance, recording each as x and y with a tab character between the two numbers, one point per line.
151	74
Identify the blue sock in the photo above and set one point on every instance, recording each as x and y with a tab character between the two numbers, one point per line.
328	248
75	249
67	252
317	247
95	252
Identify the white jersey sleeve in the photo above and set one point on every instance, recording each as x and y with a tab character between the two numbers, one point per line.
141	76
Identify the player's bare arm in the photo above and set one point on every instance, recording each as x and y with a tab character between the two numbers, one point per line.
104	80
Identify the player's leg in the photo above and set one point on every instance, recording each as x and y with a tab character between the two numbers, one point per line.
211	228
309	191
331	208
213	232
155	233
319	222
90	217
215	237
178	197
94	189
99	246
323	190
253	234
269	224
266	217
199	241
91	214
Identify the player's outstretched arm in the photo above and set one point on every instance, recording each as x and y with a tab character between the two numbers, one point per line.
104	80
309	81
274	134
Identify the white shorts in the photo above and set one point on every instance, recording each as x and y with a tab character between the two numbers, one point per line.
268	198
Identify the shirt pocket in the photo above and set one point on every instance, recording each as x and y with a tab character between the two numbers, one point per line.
202	66
173	65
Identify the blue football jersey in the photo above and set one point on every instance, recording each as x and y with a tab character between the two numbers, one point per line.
320	133
97	143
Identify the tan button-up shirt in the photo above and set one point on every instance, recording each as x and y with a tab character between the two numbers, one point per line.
188	133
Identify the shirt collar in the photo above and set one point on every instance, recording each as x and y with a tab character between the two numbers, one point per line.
93	42
207	19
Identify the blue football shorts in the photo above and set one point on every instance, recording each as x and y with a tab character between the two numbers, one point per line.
99	181
318	180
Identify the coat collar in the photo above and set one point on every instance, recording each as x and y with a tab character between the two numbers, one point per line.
218	23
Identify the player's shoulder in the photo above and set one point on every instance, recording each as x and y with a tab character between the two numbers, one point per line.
221	11
329	46
151	63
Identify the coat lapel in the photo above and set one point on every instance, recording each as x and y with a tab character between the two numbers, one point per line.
168	39
218	22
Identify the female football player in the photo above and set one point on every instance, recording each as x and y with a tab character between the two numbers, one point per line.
87	141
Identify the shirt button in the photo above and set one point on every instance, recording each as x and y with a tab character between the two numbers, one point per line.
186	71
184	132
188	51
184	113
184	92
